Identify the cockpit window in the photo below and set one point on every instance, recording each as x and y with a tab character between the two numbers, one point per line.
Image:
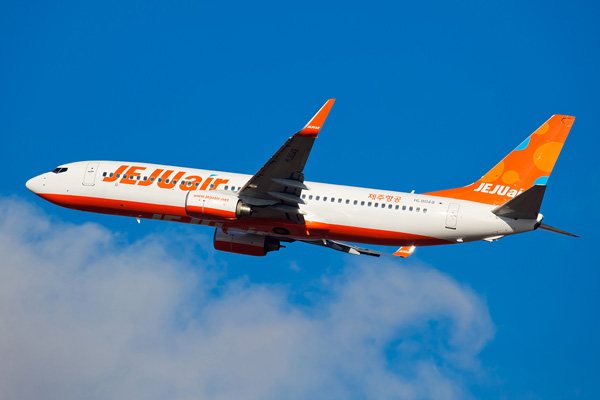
59	170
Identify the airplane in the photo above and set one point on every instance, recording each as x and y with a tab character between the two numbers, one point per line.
255	214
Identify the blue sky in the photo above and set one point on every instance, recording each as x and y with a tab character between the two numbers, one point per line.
429	96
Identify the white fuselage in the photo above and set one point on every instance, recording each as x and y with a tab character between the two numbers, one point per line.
336	212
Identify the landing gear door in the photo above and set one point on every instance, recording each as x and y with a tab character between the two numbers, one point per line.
452	215
90	174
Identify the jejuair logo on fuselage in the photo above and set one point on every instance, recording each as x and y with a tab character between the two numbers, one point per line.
500	190
134	175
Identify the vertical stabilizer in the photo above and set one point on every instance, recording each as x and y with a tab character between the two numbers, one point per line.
529	164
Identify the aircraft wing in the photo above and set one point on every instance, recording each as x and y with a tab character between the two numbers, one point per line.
343	247
352	249
274	191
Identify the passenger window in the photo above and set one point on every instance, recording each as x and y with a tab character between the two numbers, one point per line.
310	197
174	181
118	175
159	180
151	179
403	208
324	198
197	184
166	181
376	204
145	178
355	202
111	175
390	206
303	196
369	204
347	201
340	200
397	207
138	178
317	198
104	174
212	185
332	200
424	210
226	187
418	209
410	208
362	203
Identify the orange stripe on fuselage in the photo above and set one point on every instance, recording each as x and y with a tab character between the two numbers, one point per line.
310	230
114	207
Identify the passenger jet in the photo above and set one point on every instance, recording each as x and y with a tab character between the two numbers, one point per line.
255	214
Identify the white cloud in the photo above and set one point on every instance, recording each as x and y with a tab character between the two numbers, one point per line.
84	314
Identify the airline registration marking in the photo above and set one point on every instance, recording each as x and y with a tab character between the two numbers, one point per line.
131	175
388	198
425	201
291	155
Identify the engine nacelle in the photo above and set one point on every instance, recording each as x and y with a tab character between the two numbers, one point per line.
215	205
245	243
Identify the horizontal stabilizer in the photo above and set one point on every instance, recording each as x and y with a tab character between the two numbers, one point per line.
549	228
525	206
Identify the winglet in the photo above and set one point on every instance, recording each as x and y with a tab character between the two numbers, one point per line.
404	251
314	125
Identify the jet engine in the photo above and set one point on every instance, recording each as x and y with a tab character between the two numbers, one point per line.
245	243
215	206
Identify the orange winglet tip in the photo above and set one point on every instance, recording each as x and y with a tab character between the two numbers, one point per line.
314	125
405	251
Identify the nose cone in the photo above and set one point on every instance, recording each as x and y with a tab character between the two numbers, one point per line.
34	184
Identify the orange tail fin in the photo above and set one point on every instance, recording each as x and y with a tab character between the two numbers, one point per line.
529	164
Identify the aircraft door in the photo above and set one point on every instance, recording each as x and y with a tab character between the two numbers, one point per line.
90	174
452	215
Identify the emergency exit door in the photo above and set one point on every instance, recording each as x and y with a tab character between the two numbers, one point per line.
452	215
